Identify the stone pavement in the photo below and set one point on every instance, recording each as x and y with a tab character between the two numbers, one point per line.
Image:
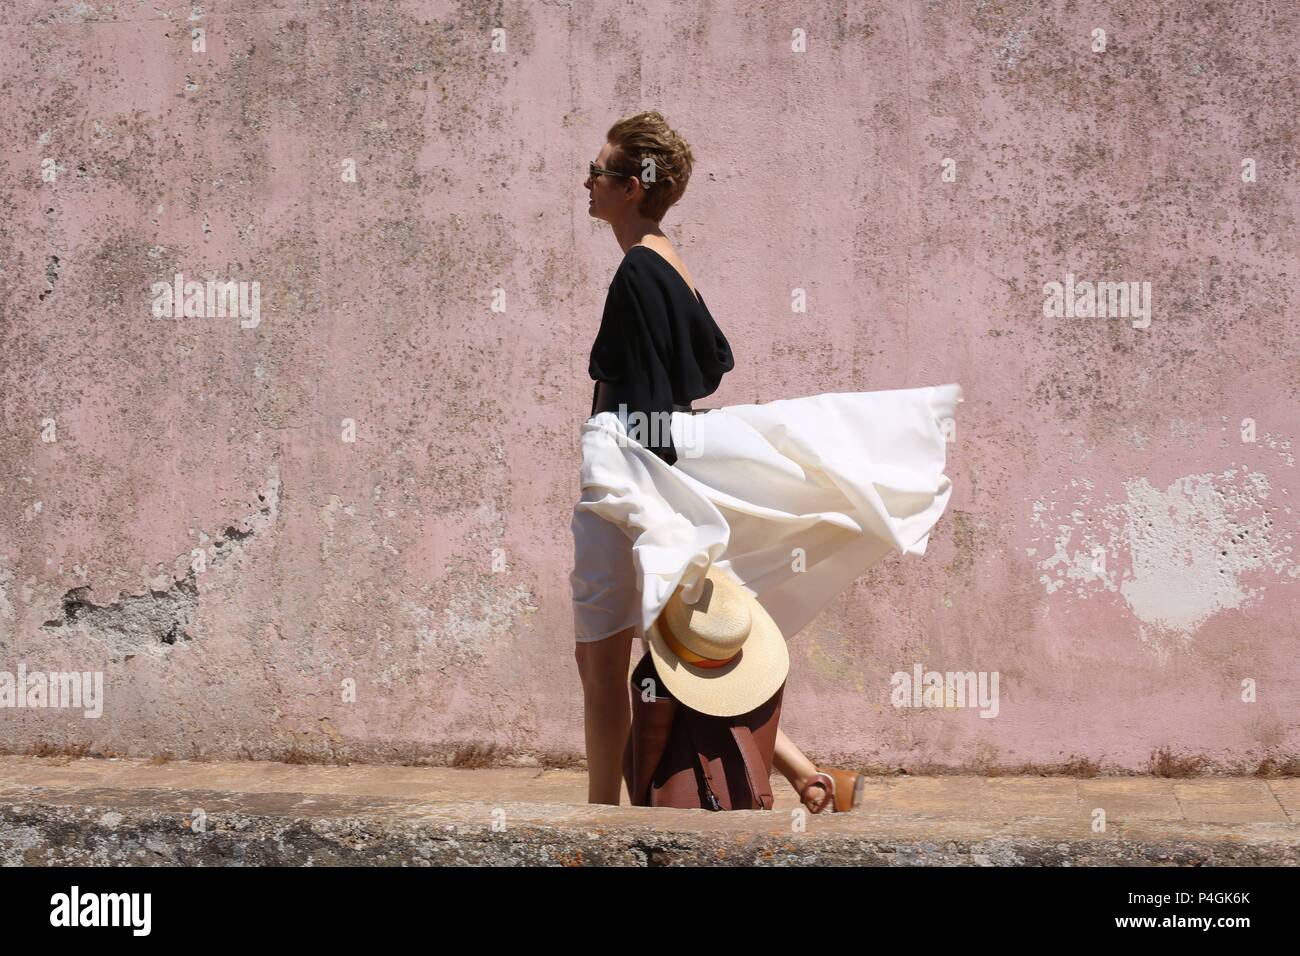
60	810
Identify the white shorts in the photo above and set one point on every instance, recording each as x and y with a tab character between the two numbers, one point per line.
604	579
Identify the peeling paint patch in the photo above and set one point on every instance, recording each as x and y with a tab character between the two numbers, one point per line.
477	611
143	622
6	607
1176	556
163	616
1280	445
51	277
1012	49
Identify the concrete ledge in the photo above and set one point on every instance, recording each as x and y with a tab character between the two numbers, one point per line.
120	812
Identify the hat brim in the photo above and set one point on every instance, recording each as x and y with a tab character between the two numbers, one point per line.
736	688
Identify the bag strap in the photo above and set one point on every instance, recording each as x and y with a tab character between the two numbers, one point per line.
704	762
759	785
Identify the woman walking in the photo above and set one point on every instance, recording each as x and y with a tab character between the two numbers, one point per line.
794	498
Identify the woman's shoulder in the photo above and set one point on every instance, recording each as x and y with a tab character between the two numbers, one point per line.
636	278
649	273
650	260
634	268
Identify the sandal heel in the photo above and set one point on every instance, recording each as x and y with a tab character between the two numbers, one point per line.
849	787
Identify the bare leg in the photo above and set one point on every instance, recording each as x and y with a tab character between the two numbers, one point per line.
607	711
794	765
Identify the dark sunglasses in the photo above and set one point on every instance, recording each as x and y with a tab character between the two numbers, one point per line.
593	171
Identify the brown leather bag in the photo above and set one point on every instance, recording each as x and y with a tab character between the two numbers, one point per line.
679	757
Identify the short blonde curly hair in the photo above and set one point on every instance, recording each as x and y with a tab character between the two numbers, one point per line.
648	136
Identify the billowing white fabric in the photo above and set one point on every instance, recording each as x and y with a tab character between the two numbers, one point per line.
797	498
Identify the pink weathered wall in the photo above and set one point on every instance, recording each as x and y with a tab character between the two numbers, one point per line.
1115	548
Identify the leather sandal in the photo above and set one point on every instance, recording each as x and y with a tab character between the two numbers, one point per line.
843	790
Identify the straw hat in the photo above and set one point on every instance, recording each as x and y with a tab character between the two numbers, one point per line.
723	655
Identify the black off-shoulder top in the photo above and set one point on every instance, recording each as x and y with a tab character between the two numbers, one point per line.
658	346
